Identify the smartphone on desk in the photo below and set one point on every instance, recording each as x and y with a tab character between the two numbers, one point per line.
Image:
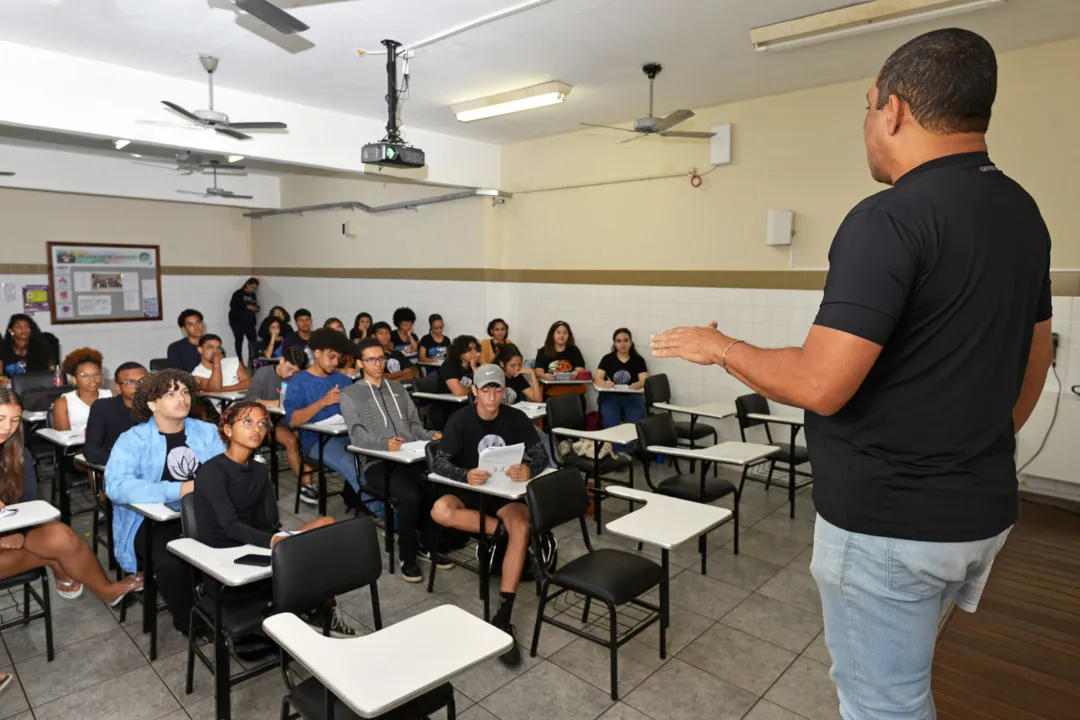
254	560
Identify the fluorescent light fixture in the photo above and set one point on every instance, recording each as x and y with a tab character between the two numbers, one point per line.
120	144
136	155
549	93
236	158
858	19
489	192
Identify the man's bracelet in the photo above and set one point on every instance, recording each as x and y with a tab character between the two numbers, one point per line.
723	358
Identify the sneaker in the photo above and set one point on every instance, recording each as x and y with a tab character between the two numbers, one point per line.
441	561
512	657
606	450
622	456
411	572
308	495
565	448
339	627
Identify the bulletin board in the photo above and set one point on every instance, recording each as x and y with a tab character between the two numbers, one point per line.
93	283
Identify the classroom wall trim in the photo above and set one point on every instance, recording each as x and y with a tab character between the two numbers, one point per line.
36	269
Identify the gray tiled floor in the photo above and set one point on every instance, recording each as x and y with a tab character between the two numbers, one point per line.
745	642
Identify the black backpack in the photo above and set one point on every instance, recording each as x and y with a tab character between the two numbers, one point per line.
548	556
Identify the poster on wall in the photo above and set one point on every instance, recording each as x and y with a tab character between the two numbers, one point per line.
103	283
35	298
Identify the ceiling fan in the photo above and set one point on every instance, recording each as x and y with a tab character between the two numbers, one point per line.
272	15
215	191
188	162
657	126
6	173
211	118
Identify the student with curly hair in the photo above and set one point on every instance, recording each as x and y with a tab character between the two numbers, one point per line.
405	340
71	411
155	462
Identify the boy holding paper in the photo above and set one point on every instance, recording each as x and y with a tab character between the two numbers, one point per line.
473	429
380	415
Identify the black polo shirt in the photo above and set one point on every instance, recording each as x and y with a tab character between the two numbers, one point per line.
948	271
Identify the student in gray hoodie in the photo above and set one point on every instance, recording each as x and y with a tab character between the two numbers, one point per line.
380	415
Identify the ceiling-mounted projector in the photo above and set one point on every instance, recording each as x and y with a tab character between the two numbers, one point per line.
392	150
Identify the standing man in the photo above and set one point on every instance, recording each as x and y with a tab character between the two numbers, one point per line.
242	310
928	354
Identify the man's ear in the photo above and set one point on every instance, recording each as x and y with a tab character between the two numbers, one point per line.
895	111
152	404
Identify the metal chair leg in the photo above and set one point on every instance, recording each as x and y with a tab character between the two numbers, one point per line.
46	606
614	648
539	619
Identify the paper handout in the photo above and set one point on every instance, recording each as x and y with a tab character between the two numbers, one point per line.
497	460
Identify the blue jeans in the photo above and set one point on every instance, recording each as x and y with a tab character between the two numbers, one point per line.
338	458
619	408
882	600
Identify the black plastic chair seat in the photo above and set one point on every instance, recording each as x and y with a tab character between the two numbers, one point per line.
238	617
801	455
701	430
21	579
616	576
309	698
688	487
587	464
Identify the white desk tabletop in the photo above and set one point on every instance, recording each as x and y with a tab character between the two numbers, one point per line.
62	438
717	411
623	434
278	411
158	512
566	382
501	486
666	522
82	458
783	419
442	397
333	430
430	363
403	456
33	416
624	389
228	395
728	453
220	563
27	514
376	673
533	411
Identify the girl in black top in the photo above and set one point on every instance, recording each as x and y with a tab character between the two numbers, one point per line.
281	315
559	354
25	348
521	383
242	309
270	346
404	339
434	345
455	375
623	366
361	329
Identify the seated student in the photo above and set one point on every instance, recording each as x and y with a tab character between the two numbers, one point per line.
184	353
110	418
559	353
234	504
155	462
361	329
216	373
398	366
434	345
24	349
302	336
622	366
381	416
348	360
405	340
521	383
456	374
71	411
314	395
270	344
490	424
498	332
268	384
334	324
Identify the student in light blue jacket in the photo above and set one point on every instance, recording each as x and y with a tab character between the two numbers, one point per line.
155	462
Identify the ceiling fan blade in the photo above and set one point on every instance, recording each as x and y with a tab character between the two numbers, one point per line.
676	133
258	126
223	168
192	192
608	127
232	133
186	113
673	119
272	15
234	196
163	123
640	135
6	173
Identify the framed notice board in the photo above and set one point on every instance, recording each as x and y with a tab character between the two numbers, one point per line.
104	283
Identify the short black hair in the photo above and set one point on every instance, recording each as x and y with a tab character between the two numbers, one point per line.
296	355
302	312
208	337
493	323
184	315
507	353
124	367
948	78
325	339
403	314
251	281
380	326
368	342
154	387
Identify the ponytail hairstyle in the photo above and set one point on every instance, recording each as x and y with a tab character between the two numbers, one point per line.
633	348
11	455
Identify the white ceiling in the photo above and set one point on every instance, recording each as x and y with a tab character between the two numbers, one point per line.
597	46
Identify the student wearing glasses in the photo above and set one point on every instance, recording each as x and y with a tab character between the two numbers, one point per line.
184	353
404	339
380	415
434	345
361	329
398	366
498	336
71	411
110	418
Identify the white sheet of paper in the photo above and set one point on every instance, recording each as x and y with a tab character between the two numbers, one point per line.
529	406
416	446
149	288
82	282
95	304
497	460
332	420
129	281
131	300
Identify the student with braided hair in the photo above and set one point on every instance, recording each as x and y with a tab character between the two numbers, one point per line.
71	411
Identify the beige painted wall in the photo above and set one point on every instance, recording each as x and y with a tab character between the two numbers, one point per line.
189	234
801	151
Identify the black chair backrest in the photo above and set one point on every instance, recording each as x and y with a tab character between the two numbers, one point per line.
54	346
426	384
31	380
565	411
556	498
314	566
429	453
657	429
37	390
187	517
161	364
657	389
753	403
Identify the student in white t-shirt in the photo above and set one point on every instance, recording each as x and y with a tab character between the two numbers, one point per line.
216	373
71	411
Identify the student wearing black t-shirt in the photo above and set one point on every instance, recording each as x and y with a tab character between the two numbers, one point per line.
361	329
398	366
184	353
559	354
302	336
404	339
456	374
24	348
434	345
490	424
242	310
928	354
623	366
111	417
521	384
